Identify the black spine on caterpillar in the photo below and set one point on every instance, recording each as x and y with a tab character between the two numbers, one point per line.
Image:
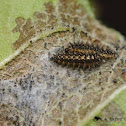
85	60
81	47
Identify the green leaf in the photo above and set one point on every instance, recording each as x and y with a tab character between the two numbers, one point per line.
34	88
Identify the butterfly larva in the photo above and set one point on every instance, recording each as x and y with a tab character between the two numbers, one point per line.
83	55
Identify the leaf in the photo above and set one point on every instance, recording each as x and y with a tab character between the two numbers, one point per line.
10	10
36	91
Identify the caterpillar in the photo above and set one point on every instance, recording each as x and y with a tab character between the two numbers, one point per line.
84	55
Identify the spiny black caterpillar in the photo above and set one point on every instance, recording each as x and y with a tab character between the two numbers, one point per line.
84	55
